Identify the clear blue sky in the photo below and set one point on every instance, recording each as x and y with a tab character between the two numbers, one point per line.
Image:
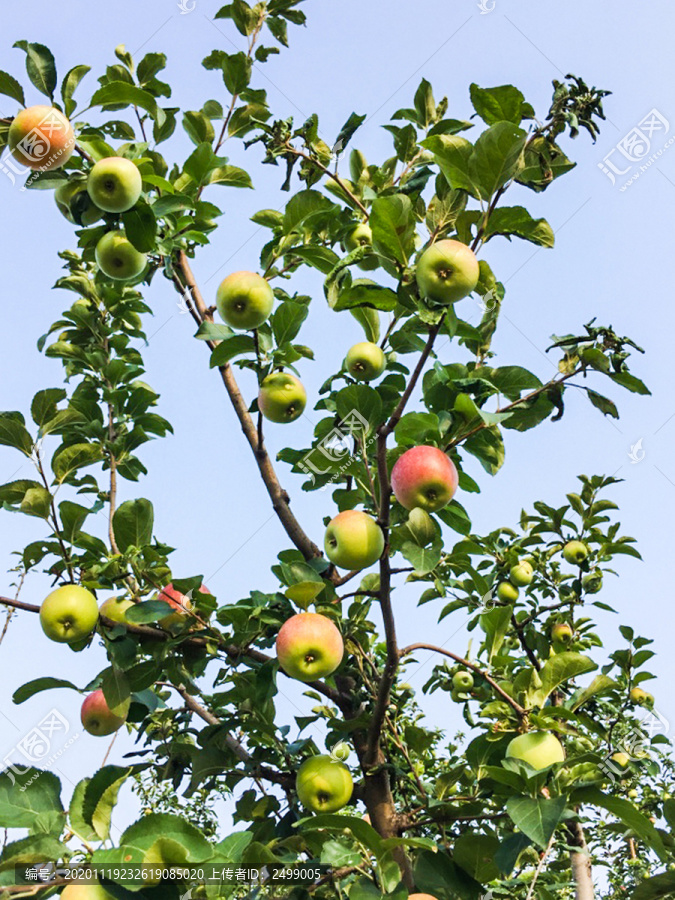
612	260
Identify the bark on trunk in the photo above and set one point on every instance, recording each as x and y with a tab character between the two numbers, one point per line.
580	860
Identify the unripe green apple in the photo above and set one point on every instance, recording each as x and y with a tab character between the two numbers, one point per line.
97	717
561	633
309	646
115	609
540	749
362	236
592	583
462	680
282	398
575	552
115	184
521	574
447	271
353	540
632	793
69	614
621	759
244	300
75	204
642	698
323	784
341	751
421	526
41	138
424	477
117	257
85	892
365	361
507	592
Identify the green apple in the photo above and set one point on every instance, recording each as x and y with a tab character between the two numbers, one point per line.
353	540
365	361
447	271
115	184
244	300
507	592
561	633
309	646
592	582
632	794
540	749
424	477
462	680
323	784
642	698
521	574
362	236
282	397
575	552
341	751
621	759
69	614
115	609
41	138
85	892
75	204
97	717
117	257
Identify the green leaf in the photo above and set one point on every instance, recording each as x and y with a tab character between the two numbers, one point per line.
69	86
166	839
72	517
453	155
487	446
68	459
425	106
475	854
498	104
322	258
559	669
495	623
140	226
236	68
75	813
626	813
366	293
543	161
14	491
120	93
536	818
359	408
44	405
198	127
335	853
287	320
133	523
512	380
654	888
417	428
495	157
116	691
362	831
516	220
40	66
369	320
600	685
13	432
423	559
234	346
347	131
31	850
11	88
604	404
392	221
436	874
100	798
147	611
37	502
230	176
38	807
302	207
630	382
28	690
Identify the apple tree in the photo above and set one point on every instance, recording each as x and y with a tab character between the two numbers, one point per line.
560	785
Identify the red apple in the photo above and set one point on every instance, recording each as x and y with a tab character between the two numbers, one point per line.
424	477
97	717
41	138
309	646
180	602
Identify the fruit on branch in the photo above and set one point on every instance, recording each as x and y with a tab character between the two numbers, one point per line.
521	574
244	300
362	236
353	540
69	614
365	361
115	608
324	784
507	592
632	794
424	477
117	257
420	897
462	680
561	633
575	552
115	184
282	397
540	749
423	529
85	892
181	603
341	751
641	697
621	759
41	138
75	204
309	646
447	272
592	583
97	717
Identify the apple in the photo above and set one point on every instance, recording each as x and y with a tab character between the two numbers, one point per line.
575	552
244	300
282	398
462	680
181	603
621	759
69	614
85	892
362	236
521	574
353	540
324	784
115	609
592	583
97	717
424	477
642	698
117	257
341	751
420	897
115	184
365	361
447	271
561	633
75	204
632	793
309	646
41	138
538	748
507	592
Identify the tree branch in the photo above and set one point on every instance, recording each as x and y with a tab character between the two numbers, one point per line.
580	860
410	387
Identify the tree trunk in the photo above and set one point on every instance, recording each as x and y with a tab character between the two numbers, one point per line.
580	860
